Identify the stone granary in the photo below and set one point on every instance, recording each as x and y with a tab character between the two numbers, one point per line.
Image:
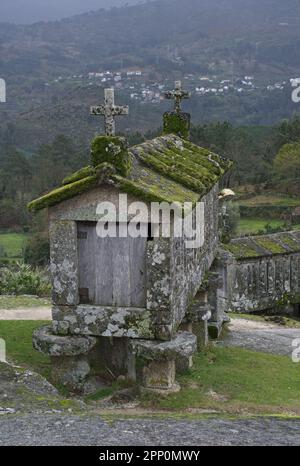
128	306
261	274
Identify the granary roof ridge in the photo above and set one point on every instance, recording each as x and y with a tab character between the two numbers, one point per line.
286	242
166	168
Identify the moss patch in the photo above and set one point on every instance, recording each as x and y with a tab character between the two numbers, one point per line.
256	246
79	175
270	245
65	192
177	123
240	250
113	150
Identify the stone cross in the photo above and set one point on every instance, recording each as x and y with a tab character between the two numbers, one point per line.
178	95
109	110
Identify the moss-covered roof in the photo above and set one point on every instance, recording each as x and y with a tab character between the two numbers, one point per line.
262	246
167	168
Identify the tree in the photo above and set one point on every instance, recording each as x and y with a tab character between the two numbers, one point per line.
287	162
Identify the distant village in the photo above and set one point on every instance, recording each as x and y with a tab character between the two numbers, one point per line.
144	90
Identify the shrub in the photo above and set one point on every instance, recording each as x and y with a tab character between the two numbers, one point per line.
37	250
23	279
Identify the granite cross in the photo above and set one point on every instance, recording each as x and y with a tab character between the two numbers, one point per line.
178	95
109	110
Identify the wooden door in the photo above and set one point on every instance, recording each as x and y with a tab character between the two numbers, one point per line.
112	271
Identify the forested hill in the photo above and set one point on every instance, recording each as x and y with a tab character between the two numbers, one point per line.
31	11
206	33
47	65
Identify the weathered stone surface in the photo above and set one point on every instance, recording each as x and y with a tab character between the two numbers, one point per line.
184	344
200	329
54	345
104	321
159	375
109	110
71	372
64	262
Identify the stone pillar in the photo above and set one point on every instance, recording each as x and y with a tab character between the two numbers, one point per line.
218	317
69	357
177	123
64	262
70	371
199	313
158	361
160	375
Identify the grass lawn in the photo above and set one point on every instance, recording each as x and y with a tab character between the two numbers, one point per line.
22	302
13	244
231	381
239	382
248	226
19	350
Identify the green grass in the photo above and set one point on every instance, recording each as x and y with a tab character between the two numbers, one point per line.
270	199
291	322
231	381
22	302
19	350
248	226
13	244
237	381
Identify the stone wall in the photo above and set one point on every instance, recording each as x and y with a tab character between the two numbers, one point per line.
189	266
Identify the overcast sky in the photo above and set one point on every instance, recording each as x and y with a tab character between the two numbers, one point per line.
29	11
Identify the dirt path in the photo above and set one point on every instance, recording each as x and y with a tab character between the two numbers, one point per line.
260	336
35	313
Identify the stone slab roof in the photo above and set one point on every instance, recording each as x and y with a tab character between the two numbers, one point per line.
166	168
287	242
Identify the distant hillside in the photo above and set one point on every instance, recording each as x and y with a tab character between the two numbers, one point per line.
30	11
167	38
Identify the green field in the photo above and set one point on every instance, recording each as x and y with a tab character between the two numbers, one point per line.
252	226
12	244
238	381
18	339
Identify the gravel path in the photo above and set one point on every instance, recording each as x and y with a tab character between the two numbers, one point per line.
260	336
36	313
92	430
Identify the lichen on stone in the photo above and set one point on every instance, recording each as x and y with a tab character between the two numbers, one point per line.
113	150
177	123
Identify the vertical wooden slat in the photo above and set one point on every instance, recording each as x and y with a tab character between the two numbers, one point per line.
85	238
104	250
121	272
138	271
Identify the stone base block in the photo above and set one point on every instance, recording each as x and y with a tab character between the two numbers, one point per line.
156	362
71	372
159	374
69	357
